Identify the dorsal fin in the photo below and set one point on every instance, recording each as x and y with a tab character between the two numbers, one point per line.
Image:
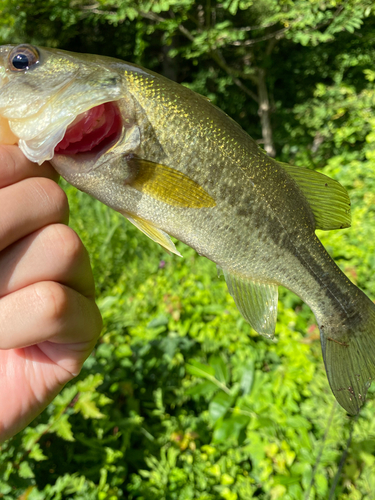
328	200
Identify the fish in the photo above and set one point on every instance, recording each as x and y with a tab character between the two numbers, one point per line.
176	165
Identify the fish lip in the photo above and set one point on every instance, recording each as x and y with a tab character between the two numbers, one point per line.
38	141
22	140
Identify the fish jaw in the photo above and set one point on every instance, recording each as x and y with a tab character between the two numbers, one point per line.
83	151
38	105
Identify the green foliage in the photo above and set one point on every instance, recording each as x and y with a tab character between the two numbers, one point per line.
181	399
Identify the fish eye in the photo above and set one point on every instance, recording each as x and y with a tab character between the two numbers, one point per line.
23	57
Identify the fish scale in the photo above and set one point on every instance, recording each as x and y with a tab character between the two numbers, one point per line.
179	166
263	172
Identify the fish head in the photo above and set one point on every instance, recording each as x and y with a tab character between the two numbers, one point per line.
78	111
55	103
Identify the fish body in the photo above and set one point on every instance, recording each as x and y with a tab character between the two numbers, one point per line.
174	164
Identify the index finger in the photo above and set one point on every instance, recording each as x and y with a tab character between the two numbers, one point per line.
15	167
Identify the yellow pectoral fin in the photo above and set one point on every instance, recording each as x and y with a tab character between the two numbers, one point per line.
153	233
168	185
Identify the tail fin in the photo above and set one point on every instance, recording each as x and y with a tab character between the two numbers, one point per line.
349	358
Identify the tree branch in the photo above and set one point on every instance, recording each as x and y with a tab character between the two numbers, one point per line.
259	80
154	17
277	35
264	112
260	27
220	61
218	58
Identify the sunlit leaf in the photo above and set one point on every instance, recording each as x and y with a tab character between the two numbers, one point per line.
219	406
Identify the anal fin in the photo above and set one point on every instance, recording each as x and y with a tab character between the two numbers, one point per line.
154	233
257	302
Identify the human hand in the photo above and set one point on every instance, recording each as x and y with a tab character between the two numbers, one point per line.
49	320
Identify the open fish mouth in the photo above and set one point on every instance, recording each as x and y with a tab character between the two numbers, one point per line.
62	109
92	131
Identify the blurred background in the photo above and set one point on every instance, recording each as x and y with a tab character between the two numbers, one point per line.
181	399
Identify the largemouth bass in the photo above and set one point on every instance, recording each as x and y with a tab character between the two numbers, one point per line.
174	164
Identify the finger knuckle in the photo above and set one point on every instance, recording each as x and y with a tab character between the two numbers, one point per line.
54	196
68	242
54	301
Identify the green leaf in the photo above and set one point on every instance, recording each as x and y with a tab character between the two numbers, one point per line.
32	435
90	383
220	367
321	483
199	370
37	454
202	389
66	396
87	407
5	488
161	320
220	405
63	428
286	480
25	470
123	351
230	427
247	378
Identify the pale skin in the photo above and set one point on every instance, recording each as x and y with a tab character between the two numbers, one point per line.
49	322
